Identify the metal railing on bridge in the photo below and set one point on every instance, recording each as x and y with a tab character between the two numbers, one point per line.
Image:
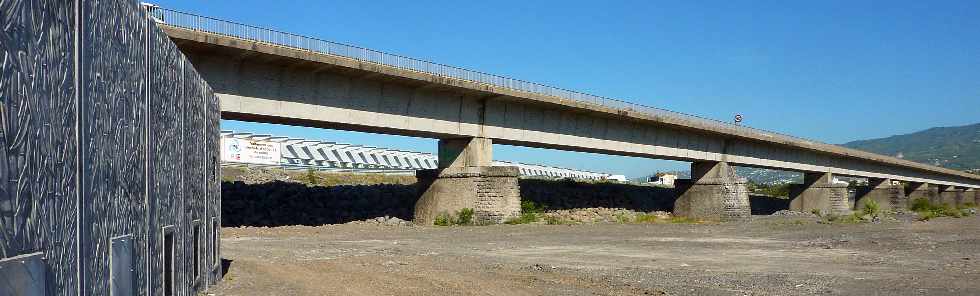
195	22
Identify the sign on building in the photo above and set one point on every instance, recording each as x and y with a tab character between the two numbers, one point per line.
250	151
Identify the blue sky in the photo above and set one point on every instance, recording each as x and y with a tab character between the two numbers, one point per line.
833	71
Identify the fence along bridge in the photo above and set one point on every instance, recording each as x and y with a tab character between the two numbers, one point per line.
270	76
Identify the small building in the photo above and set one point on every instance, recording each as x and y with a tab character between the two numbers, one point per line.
664	179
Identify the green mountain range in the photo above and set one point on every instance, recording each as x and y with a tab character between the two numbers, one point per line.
951	147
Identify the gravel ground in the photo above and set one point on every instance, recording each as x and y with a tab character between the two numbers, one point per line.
771	255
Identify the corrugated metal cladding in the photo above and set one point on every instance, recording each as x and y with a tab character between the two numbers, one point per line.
109	159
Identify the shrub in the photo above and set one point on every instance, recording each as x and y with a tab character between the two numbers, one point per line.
464	217
927	210
528	206
968	205
311	177
443	219
871	207
920	204
815	212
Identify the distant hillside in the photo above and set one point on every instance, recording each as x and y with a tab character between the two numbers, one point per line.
952	147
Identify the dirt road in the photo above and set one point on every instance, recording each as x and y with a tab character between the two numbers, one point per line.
766	256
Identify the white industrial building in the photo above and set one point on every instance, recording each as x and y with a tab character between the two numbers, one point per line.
266	150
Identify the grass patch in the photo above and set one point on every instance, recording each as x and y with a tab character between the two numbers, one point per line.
530	213
524	218
227	178
622	218
920	204
551	220
794	222
927	210
683	220
927	215
311	177
645	218
462	217
846	219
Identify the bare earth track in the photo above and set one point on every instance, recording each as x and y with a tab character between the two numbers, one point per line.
765	256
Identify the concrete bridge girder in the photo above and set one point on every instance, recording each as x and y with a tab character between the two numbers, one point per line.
363	96
512	123
280	85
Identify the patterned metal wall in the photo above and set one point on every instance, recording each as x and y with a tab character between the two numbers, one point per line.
213	177
106	131
114	146
166	192
193	170
38	159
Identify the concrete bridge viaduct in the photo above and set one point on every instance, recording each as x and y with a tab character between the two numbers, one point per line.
268	76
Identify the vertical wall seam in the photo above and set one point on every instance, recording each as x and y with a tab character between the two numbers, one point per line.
204	182
79	170
149	208
181	219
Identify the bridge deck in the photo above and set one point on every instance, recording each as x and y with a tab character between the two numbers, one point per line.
197	31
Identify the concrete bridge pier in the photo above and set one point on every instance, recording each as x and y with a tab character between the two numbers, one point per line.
950	195
971	195
976	196
819	192
888	195
918	190
714	192
466	179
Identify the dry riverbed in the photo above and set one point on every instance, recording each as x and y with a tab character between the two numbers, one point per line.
764	256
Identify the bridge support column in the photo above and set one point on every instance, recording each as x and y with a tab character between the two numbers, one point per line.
976	197
819	192
971	195
466	179
712	193
882	191
950	195
922	191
